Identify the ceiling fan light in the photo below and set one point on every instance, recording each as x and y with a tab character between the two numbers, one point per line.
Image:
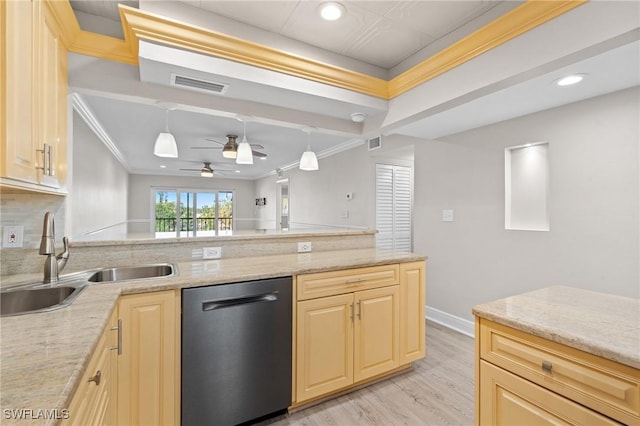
229	151
166	146
206	173
245	154
309	161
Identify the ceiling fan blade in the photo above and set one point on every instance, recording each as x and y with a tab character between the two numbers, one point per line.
191	170
256	146
259	154
206	147
213	140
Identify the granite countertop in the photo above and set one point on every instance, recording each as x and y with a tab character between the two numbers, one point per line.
42	355
601	324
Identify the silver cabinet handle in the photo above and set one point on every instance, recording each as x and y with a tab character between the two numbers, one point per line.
96	378
547	367
52	170
47	160
119	328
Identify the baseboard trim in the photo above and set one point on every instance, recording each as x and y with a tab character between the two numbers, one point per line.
453	322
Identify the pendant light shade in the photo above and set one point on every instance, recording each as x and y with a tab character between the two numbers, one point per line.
166	145
245	154
308	161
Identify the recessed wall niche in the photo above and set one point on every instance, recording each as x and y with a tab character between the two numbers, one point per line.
527	187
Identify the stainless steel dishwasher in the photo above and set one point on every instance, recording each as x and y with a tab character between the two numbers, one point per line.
236	351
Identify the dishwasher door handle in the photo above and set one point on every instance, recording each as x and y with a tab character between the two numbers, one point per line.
227	303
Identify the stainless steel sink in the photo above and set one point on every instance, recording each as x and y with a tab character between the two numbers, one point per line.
132	273
30	300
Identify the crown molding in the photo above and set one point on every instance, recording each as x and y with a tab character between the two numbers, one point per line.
86	113
525	17
140	25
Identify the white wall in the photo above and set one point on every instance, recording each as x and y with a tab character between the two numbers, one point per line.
319	197
98	194
594	201
140	196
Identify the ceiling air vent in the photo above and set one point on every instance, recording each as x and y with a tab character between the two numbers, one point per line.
198	84
375	143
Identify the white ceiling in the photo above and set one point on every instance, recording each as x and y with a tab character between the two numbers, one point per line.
388	35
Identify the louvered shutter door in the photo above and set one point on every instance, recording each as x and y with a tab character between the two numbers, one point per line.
393	207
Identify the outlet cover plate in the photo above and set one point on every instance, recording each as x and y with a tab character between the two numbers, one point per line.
13	236
304	247
212	252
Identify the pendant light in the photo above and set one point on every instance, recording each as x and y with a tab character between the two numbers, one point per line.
308	161
166	145
245	154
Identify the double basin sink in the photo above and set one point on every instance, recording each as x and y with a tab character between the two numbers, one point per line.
38	297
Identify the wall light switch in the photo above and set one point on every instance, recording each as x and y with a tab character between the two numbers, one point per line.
12	236
447	215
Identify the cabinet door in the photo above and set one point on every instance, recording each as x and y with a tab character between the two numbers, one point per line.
412	316
324	345
148	369
376	337
19	156
94	402
51	115
506	399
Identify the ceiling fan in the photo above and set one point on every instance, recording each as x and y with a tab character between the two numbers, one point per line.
230	148
207	170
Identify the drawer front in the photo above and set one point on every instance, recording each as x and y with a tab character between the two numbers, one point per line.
332	283
607	387
507	400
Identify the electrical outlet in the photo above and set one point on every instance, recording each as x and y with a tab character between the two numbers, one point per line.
212	252
12	236
304	247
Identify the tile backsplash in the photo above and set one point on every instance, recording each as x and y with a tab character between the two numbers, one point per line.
28	210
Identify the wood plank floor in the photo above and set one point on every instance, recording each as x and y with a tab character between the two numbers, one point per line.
438	392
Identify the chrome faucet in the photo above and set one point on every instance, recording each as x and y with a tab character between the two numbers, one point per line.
53	264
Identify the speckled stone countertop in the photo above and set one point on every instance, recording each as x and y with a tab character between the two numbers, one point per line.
601	324
42	355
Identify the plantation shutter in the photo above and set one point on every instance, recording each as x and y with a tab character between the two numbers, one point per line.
393	207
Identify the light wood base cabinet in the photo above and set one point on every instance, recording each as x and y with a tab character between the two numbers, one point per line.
528	380
149	364
355	325
95	400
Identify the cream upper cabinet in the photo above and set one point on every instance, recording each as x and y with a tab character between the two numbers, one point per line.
34	98
149	363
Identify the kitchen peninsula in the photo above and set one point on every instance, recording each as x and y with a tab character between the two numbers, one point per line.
60	343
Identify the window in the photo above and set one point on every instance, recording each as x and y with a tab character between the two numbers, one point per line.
192	214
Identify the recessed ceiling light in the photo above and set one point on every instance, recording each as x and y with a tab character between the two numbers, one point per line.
332	11
162	166
570	80
237	171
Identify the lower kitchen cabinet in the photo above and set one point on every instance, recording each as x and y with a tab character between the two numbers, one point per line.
525	379
149	364
354	331
94	402
506	399
412	311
